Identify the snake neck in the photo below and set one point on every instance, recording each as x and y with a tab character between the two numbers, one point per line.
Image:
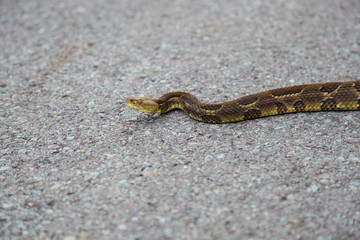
190	105
176	100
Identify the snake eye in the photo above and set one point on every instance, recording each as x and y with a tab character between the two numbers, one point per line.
135	101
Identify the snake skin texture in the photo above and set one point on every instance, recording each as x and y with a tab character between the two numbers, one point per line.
331	96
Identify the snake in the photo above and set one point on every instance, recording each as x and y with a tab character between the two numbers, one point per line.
328	96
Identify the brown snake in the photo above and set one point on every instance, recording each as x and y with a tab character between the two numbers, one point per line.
303	98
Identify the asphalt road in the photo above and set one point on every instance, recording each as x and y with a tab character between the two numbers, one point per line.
76	163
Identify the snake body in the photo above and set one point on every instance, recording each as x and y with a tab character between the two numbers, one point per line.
331	96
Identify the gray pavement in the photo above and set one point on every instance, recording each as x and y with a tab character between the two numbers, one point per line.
76	163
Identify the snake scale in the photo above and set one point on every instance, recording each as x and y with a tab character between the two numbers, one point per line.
331	96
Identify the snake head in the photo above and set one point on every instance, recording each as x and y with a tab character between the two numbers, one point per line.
143	104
